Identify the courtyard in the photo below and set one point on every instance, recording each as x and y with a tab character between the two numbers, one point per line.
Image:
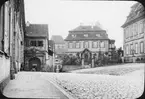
120	81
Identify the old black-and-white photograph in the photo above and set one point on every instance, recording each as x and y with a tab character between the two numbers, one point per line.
72	49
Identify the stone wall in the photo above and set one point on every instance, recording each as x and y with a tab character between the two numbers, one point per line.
4	72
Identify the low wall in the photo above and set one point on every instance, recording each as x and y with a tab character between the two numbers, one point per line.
4	72
67	68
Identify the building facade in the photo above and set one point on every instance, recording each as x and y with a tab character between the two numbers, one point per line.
87	41
134	34
59	45
12	28
36	47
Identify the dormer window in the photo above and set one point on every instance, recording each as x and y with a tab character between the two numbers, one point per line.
98	35
73	36
85	35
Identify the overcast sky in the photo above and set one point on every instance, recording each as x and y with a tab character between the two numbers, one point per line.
63	15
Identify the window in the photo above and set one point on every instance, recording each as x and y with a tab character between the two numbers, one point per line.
95	43
133	33
124	33
131	30
86	44
36	43
60	46
77	44
136	48
73	35
110	45
98	35
33	43
102	44
127	32
70	45
40	43
55	46
127	49
136	32
134	29
85	35
141	27
131	48
27	43
113	46
141	47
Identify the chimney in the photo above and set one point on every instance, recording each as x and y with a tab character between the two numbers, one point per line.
92	25
81	24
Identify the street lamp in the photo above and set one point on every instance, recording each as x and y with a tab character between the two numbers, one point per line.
100	47
99	56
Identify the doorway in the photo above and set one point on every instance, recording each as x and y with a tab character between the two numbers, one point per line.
35	62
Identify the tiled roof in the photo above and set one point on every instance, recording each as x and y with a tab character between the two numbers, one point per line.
92	35
137	10
57	39
37	30
93	32
87	28
111	41
51	44
60	51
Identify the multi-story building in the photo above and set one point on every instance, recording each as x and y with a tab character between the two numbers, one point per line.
36	47
88	41
12	28
134	33
59	45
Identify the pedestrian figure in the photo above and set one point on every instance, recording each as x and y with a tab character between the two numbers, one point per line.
22	67
33	68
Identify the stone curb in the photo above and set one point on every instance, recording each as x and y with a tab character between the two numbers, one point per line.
61	89
3	83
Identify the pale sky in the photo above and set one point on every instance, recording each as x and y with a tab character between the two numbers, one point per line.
64	15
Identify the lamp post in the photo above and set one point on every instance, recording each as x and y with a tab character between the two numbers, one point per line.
100	47
100	61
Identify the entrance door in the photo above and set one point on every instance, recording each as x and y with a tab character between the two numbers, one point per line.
35	62
86	59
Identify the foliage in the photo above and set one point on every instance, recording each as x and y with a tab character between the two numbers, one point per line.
71	60
105	59
140	60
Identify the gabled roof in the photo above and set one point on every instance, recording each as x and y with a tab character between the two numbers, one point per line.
51	45
87	28
57	39
60	51
37	30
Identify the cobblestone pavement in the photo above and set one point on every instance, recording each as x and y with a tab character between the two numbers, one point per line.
32	85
